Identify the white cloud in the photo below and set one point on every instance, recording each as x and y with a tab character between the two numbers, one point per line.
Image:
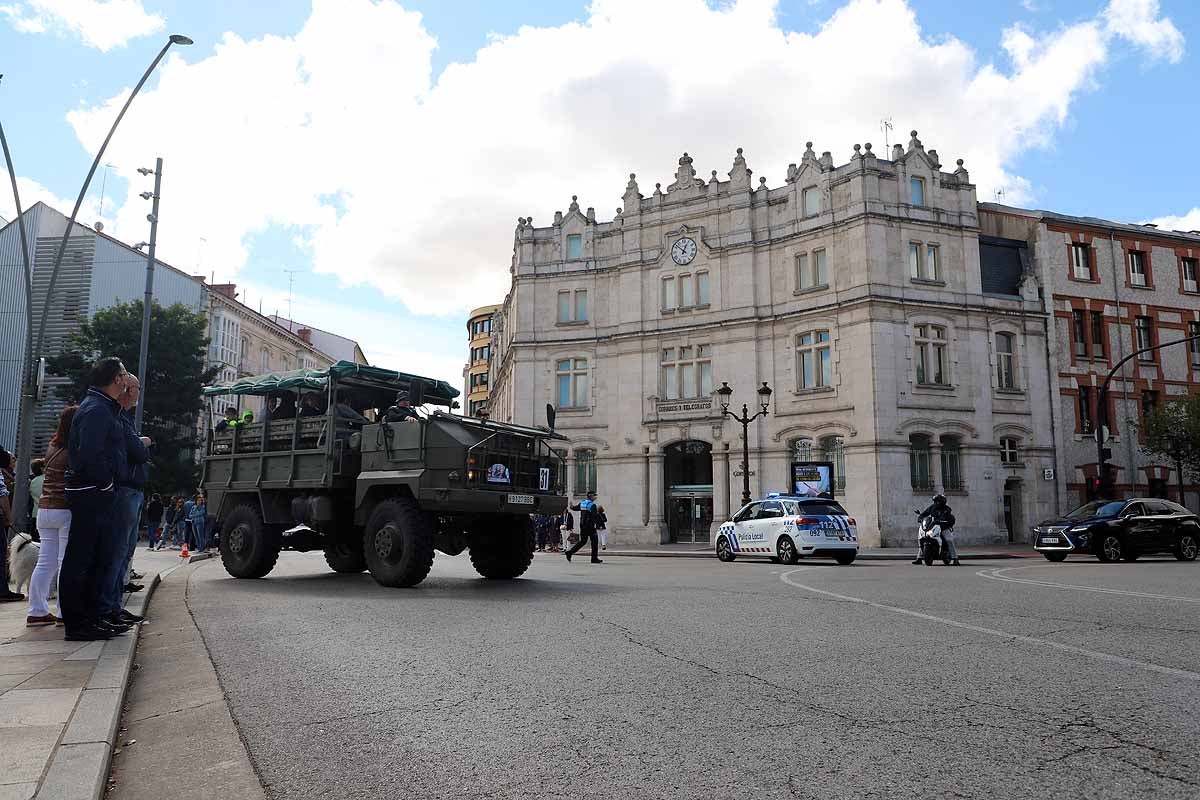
1138	21
32	191
1185	222
414	187
102	24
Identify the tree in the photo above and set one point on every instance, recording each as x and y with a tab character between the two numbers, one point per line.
1172	433
172	389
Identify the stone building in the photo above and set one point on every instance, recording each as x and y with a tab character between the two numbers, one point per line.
900	347
244	342
1114	288
477	371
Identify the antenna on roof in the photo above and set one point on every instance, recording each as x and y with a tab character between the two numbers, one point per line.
291	276
998	195
885	125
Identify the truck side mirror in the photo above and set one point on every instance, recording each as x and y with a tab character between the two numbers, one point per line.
550	415
416	393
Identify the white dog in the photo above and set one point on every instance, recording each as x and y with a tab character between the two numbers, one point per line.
23	554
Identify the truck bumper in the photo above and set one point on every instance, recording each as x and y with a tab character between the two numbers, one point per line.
480	502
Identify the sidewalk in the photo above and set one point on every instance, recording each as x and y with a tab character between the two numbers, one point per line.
972	552
60	701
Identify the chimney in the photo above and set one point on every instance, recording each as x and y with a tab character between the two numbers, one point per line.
305	334
227	289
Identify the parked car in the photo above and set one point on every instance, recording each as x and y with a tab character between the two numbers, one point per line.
785	528
1121	530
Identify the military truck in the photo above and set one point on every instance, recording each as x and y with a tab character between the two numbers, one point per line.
329	472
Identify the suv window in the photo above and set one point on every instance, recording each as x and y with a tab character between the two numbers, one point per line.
771	508
748	513
1174	508
1158	508
1134	509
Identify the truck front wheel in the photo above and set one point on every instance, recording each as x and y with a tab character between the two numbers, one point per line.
398	543
502	546
249	548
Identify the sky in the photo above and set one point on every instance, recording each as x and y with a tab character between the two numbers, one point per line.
376	154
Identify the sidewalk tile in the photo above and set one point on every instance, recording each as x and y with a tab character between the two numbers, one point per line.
20	708
24	752
17	791
77	771
89	652
26	665
63	675
27	648
17	678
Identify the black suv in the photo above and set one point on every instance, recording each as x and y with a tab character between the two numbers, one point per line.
1121	530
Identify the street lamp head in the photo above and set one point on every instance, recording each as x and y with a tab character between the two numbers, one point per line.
764	396
146	195
724	393
145	170
179	38
140	245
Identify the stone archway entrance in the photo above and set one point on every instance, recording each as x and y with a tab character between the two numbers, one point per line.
688	478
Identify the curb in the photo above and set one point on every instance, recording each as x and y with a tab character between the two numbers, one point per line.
861	556
200	557
81	760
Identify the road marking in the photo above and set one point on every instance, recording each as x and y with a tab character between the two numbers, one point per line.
1014	637
996	575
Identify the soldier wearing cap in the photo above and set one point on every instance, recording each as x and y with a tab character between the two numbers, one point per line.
402	411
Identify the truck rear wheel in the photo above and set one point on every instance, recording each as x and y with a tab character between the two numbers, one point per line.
344	551
502	546
249	548
398	543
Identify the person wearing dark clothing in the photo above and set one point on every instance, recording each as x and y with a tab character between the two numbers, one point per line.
588	513
96	442
153	519
310	405
286	408
940	511
402	411
231	419
132	472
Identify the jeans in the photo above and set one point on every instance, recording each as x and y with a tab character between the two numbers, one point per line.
92	537
124	526
55	527
135	530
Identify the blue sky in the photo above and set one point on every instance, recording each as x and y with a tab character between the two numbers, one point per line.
1123	149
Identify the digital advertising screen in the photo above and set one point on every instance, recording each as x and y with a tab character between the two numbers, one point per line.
812	478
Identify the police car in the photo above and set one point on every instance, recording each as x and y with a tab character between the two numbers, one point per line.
787	527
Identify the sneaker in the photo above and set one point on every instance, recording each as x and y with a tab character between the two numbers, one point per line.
917	561
568	554
133	587
605	547
125	616
40	622
87	633
133	576
597	561
956	563
10	597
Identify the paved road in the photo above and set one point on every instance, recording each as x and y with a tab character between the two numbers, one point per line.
665	678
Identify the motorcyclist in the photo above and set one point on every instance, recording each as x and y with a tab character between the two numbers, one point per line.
939	511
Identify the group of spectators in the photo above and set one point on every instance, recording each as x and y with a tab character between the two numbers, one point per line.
89	503
175	521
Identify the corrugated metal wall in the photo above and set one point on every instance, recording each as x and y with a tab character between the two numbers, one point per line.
12	322
119	276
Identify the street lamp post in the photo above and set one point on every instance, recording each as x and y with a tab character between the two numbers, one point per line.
764	401
144	343
1101	434
33	345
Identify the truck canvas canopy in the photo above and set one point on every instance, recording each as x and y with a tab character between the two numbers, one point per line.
436	392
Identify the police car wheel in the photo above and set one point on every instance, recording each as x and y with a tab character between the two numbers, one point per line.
724	551
786	549
845	558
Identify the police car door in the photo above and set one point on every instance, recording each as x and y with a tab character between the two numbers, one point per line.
744	529
770	525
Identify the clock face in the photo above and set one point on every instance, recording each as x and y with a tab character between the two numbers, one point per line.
684	251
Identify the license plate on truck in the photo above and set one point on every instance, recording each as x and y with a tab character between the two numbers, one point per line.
520	499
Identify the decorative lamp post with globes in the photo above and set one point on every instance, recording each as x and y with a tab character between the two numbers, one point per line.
764	401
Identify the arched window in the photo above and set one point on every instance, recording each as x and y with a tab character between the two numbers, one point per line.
1006	365
585	470
802	449
952	477
919	462
833	449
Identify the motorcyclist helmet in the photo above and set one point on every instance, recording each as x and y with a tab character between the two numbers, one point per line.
939	500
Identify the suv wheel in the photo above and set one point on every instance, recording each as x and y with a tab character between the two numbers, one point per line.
724	551
398	543
249	548
1187	547
1110	548
502	546
786	549
1056	557
344	551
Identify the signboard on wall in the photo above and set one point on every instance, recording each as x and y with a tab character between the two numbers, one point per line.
812	478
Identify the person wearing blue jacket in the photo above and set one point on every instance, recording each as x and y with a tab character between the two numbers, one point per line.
96	443
132	471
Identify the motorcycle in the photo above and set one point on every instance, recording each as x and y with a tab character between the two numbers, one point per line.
933	546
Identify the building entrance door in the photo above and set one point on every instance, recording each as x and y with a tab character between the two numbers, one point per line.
1012	508
688	474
